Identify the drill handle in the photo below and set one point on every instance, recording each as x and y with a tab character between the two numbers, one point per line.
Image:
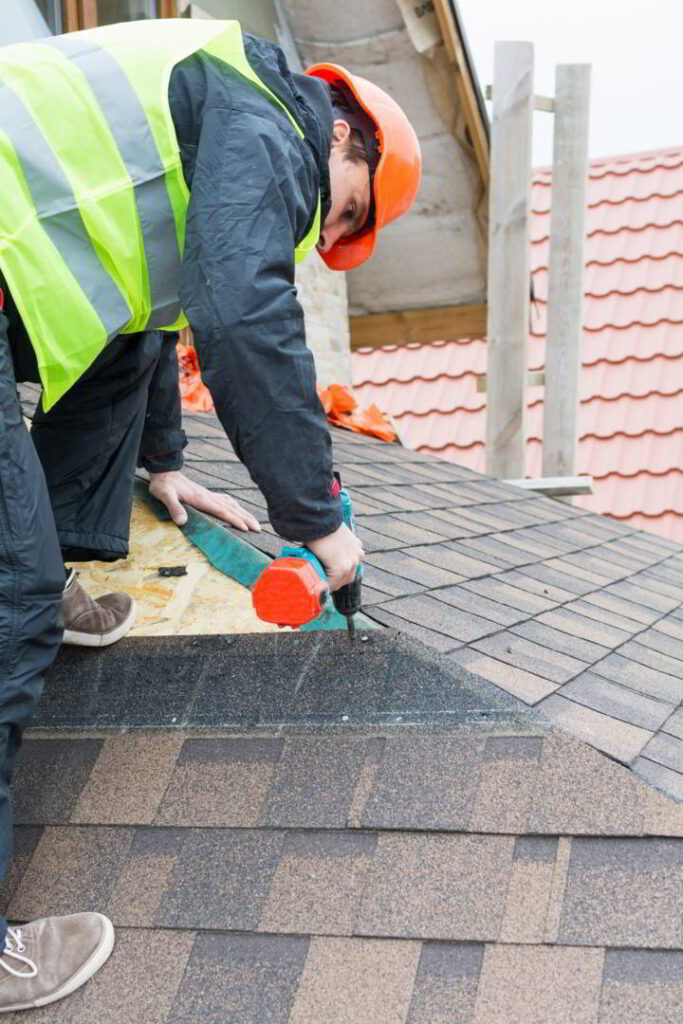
350	520
308	555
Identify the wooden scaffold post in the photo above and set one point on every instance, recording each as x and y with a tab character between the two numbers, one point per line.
566	269
509	260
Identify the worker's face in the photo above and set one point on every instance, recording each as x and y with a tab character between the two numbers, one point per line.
349	191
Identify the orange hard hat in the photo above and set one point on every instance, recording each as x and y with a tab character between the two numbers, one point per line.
397	177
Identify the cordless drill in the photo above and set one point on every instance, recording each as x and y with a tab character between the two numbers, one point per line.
293	589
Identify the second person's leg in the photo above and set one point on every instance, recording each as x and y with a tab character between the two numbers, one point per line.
88	444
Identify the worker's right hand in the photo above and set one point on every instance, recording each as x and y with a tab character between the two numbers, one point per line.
340	553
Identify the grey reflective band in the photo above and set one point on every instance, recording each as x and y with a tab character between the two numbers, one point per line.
59	214
164	316
130	129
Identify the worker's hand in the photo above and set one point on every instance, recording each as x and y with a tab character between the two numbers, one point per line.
340	553
173	488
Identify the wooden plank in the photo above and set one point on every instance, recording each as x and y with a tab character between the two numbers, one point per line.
88	14
509	255
546	103
534	379
441	323
556	486
464	86
70	20
566	269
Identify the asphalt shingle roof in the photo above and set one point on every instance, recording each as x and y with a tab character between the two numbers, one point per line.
575	614
385	832
397	876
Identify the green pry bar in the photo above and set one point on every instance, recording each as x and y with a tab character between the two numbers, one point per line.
236	558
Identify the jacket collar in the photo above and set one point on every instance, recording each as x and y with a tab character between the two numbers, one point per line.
318	127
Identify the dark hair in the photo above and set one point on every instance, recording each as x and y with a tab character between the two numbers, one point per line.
355	151
343	106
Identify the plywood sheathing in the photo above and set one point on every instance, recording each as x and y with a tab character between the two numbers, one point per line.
203	601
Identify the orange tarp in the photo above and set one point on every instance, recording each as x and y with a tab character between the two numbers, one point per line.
194	394
341	408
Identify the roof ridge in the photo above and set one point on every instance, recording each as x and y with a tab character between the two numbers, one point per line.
437	412
603	295
588	363
367	351
614	327
616	291
633	291
632	199
638	472
624	433
646	515
656	155
615	398
419	376
617	259
616	202
603	231
632	357
450	444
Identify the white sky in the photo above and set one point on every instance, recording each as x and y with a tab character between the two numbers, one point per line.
635	48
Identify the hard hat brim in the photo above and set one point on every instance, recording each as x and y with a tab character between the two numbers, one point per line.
350	252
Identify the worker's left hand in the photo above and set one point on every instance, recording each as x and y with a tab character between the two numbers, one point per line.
173	488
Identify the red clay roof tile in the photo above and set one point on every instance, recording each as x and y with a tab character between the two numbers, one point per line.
631	416
625	246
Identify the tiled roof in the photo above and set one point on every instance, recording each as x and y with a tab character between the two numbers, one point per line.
631	389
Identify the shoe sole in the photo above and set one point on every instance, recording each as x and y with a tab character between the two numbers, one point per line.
97	959
76	639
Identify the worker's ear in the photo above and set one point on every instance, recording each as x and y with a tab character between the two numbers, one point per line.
340	133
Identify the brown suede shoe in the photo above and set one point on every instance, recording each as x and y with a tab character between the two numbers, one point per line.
95	623
50	958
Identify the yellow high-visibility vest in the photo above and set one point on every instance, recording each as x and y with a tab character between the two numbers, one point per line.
93	200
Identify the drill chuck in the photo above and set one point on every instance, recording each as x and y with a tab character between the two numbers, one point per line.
347	600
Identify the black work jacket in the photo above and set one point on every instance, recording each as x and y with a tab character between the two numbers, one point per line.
254	186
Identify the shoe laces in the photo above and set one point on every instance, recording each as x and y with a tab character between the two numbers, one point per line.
14	947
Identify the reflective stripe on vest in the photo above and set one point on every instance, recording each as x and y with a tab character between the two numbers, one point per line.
91	238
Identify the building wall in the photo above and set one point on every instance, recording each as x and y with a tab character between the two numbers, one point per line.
323	295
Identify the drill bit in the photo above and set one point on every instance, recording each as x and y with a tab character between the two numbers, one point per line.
351	626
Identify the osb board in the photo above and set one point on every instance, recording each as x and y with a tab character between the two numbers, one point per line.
203	601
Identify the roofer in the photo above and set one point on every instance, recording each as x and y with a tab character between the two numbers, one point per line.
151	175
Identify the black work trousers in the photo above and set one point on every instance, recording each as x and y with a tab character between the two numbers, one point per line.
31	584
65	493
